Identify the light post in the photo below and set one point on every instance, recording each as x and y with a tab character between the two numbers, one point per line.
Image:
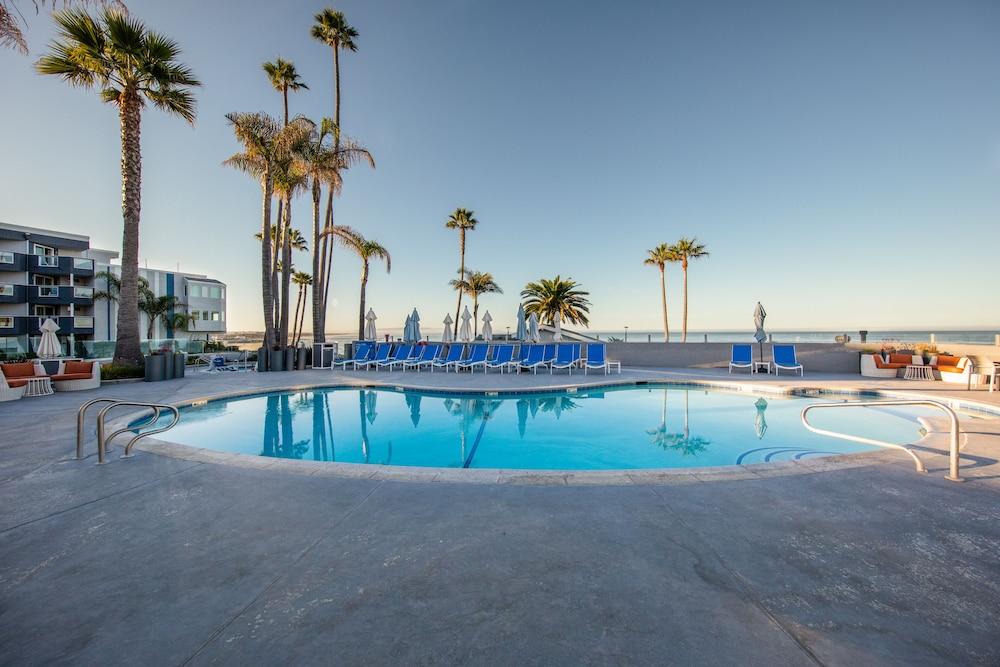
508	333
626	333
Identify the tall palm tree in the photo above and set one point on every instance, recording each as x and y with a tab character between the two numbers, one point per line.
260	136
11	35
283	77
687	249
549	296
475	283
131	66
322	163
366	250
158	308
463	220
659	257
303	280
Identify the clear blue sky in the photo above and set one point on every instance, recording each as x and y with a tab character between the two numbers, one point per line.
841	161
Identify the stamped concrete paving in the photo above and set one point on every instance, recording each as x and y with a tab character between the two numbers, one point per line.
169	561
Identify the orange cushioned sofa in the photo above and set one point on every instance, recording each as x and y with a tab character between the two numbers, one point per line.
14	378
77	375
952	369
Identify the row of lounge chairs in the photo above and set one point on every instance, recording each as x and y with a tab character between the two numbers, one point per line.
457	357
783	355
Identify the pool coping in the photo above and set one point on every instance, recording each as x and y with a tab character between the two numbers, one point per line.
609	477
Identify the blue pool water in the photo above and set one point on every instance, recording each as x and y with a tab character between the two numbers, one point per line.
607	428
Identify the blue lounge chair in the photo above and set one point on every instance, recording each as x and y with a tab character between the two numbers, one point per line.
534	359
428	353
567	356
382	351
401	354
503	357
455	352
361	352
477	357
784	359
597	358
741	357
549	353
522	352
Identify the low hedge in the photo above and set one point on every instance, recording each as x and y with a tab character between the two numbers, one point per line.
122	372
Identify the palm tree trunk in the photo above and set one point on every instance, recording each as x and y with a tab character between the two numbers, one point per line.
267	296
275	257
336	102
127	350
663	301
302	315
361	309
461	275
286	273
317	194
284	94
326	261
684	335
475	316
295	320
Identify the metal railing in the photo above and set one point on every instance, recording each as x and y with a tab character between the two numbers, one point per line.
955	431
103	439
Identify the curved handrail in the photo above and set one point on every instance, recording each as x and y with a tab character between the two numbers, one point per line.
953	450
80	420
155	417
103	440
161	429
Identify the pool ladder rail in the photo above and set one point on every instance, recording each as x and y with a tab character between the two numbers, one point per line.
954	448
103	439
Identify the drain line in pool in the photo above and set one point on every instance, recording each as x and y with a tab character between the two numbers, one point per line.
475	445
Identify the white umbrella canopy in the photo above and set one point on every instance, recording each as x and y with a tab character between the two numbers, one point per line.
557	325
533	328
48	346
370	325
415	325
758	322
487	327
465	331
449	334
522	326
408	330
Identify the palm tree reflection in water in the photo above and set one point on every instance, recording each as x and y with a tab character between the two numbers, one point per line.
682	442
278	435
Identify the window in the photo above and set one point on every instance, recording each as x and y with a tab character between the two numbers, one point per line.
43	280
83	292
82	263
6	290
45	311
204	315
39	249
195	291
215	316
194	315
6	257
83	322
48	292
223	316
6	322
48	260
215	293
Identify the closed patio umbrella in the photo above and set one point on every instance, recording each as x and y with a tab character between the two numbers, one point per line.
465	331
449	334
415	325
370	318
407	330
533	328
48	346
759	421
758	322
487	327
522	326
557	326
413	403
522	415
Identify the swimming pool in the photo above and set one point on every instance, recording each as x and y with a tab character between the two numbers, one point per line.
625	427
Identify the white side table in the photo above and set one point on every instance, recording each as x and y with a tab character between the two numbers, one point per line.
918	372
38	386
766	365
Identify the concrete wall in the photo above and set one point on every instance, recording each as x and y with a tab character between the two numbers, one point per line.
818	357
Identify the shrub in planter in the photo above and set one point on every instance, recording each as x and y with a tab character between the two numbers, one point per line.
121	372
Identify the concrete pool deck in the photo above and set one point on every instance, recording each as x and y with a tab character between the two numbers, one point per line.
177	561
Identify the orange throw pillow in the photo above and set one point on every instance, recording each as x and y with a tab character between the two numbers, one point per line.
24	369
879	363
905	359
79	367
944	360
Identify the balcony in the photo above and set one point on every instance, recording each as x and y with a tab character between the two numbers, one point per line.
60	295
83	266
54	265
31	325
12	293
11	261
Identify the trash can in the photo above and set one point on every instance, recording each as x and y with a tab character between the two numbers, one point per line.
154	367
300	359
261	359
289	358
180	364
276	360
168	365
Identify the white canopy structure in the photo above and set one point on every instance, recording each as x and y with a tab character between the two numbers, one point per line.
49	347
449	334
407	330
487	327
465	330
415	325
370	318
522	326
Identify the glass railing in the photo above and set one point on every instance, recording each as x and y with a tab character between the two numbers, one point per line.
6	290
48	260
82	322
83	292
6	322
48	292
83	264
6	257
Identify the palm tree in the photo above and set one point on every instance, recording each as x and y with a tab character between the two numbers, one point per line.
178	321
684	250
659	257
332	29
322	164
114	286
463	220
158	308
260	136
303	280
131	66
366	249
11	35
283	77
549	296
475	283
295	238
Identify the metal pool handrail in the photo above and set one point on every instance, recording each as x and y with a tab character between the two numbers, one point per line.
955	431
102	440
